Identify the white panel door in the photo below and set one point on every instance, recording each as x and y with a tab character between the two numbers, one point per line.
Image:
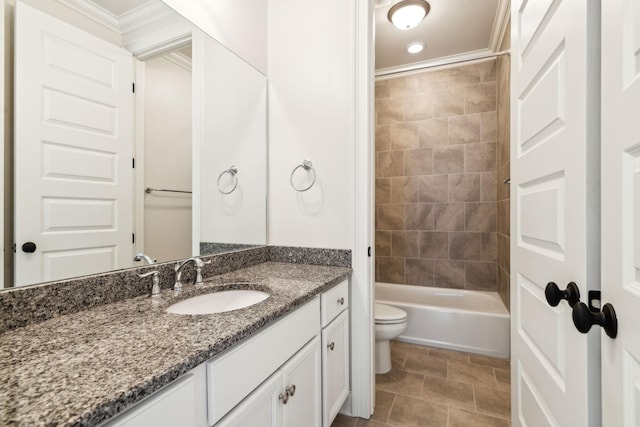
621	209
73	150
551	101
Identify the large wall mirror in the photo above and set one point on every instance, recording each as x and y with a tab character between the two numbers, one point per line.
103	169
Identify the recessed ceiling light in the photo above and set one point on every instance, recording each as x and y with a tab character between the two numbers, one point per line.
415	47
406	14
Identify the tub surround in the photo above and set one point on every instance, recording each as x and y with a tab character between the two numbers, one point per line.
85	367
32	304
436	178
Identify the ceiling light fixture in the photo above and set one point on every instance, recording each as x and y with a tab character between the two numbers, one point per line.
406	14
415	47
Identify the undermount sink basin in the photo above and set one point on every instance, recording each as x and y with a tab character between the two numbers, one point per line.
218	302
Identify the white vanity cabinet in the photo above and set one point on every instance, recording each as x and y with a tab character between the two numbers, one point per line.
335	350
181	403
293	373
289	398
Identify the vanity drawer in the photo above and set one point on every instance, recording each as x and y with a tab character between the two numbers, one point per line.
235	374
334	301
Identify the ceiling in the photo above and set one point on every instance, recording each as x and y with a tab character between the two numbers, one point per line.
119	7
452	27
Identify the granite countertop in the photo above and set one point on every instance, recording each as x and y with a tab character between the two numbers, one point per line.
81	369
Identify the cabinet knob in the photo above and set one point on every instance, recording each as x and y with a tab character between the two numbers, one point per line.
341	301
291	390
284	397
331	345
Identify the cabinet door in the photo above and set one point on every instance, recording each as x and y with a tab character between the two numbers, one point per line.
179	404
335	367
302	374
260	409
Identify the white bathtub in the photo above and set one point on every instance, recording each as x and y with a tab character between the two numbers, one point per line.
471	321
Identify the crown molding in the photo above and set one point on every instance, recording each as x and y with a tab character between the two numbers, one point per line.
500	23
94	12
144	15
180	59
442	62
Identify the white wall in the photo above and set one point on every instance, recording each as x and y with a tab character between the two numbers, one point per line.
240	25
232	122
167	159
311	73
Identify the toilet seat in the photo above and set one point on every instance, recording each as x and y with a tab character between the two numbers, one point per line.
388	315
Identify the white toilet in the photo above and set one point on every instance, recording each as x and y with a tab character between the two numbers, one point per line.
390	323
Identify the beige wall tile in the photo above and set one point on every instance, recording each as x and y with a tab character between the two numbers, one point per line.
488	187
383	138
403	136
448	159
464	188
419	162
390	163
481	276
504	172
448	217
419	272
433	80
391	270
433	132
504	217
489	247
418	216
434	245
390	111
480	216
503	287
383	243
480	157
383	190
449	274
389	217
419	108
504	255
404	189
403	86
489	127
382	89
480	98
465	246
433	188
448	102
404	244
464	129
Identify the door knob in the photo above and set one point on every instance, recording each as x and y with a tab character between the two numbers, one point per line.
554	295
584	317
29	247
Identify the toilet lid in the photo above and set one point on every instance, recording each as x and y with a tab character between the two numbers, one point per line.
387	313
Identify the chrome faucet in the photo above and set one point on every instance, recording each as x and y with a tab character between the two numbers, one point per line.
140	256
155	290
180	265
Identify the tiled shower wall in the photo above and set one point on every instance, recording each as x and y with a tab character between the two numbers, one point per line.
436	180
503	76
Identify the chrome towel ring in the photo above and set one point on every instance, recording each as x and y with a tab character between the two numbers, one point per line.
307	166
233	171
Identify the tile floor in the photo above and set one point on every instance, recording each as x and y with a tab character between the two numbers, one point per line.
431	387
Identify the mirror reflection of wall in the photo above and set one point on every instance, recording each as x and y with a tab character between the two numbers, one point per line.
167	155
168	129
